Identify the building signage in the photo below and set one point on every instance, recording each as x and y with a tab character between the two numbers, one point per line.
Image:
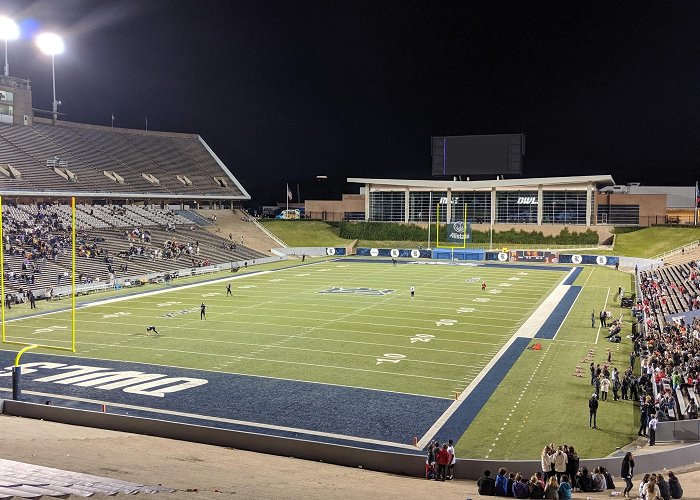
527	200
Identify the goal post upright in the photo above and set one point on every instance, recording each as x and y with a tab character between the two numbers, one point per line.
437	229
73	273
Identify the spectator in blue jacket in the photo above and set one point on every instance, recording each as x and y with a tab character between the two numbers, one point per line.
502	482
565	488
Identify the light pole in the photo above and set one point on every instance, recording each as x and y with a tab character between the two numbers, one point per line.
51	44
8	31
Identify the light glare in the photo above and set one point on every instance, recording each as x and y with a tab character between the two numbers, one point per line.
50	43
8	29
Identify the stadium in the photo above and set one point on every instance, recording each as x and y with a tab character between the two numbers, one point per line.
139	295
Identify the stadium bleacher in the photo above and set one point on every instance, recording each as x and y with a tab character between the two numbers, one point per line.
153	163
671	343
131	240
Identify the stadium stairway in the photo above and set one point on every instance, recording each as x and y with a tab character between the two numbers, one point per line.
236	223
194	217
688	255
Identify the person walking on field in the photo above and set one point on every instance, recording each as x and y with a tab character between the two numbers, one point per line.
413	291
228	290
593	410
483	285
604	388
202	311
593	318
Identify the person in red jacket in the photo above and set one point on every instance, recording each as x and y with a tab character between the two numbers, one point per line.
442	459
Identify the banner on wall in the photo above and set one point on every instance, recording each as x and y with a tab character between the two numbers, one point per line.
534	256
394	253
687	316
601	260
458	232
335	251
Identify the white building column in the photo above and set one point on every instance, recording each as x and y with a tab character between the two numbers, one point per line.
540	204
493	206
367	186
406	205
589	202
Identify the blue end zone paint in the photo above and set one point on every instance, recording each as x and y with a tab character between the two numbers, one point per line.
572	277
551	325
347	411
472	405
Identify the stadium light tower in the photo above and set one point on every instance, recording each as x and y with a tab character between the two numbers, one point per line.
8	31
51	44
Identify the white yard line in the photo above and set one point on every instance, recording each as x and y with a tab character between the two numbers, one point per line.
526	330
224	420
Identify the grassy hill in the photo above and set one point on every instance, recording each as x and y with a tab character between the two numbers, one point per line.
304	233
652	241
646	242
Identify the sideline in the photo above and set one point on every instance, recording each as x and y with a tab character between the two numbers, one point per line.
597	335
524	333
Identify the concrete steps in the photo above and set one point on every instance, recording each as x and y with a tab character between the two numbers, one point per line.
234	223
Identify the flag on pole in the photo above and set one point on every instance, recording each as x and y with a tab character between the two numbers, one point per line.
697	195
289	193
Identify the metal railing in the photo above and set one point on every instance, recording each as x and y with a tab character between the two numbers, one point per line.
677	250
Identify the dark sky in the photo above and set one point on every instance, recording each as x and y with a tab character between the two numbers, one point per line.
287	90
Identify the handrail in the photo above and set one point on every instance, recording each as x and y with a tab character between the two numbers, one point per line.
677	250
266	231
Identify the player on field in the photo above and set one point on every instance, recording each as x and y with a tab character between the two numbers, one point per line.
483	285
202	311
228	290
151	329
393	261
413	291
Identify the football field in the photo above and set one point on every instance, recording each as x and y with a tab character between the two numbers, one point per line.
347	323
336	350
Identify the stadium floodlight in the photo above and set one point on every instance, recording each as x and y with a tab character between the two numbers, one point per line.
8	31
51	44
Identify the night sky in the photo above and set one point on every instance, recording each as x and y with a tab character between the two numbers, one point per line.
287	90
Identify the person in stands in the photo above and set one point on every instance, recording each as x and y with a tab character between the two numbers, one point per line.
486	484
674	486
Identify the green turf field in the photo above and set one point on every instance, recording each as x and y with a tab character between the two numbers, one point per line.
541	400
355	324
281	325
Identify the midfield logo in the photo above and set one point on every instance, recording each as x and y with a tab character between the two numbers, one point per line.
357	291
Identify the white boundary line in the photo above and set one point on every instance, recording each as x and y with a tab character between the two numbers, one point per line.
597	335
226	420
547	306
